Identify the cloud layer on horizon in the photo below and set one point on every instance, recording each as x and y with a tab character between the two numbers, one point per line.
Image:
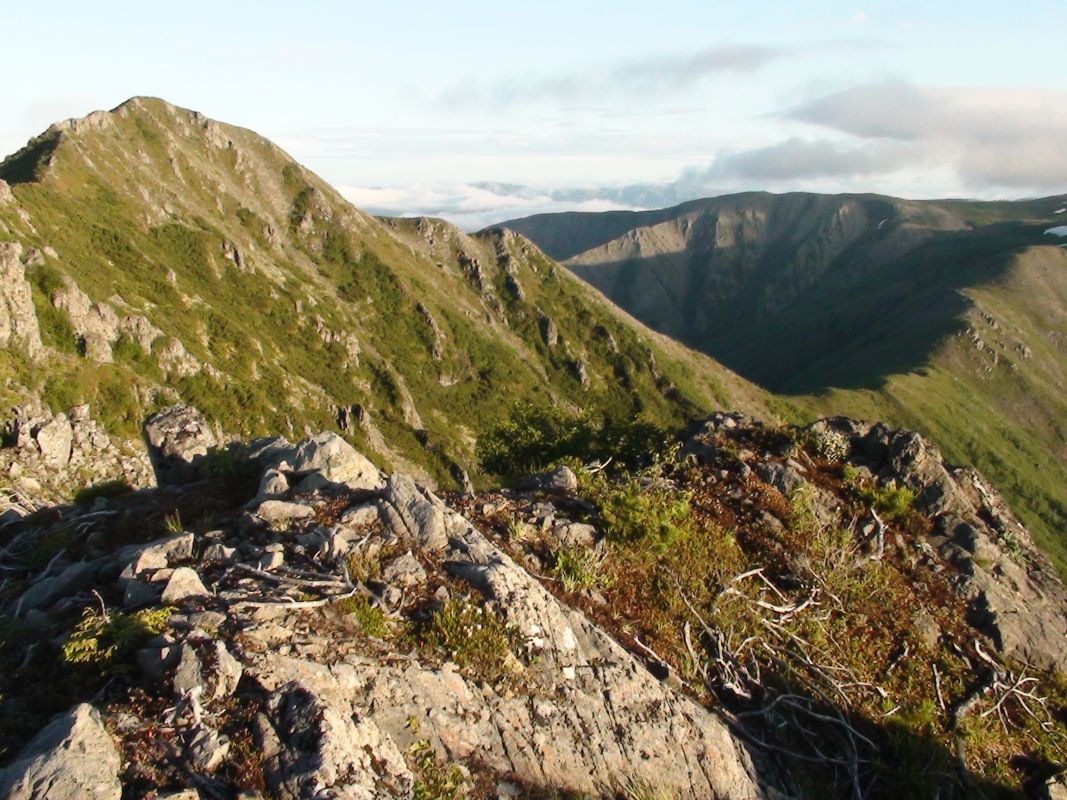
889	137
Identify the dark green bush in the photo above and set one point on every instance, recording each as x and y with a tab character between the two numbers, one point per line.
533	438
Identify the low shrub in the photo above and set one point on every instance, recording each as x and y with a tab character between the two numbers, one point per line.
105	640
479	642
579	568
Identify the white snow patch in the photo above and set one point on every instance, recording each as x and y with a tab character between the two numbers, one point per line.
1059	230
1059	210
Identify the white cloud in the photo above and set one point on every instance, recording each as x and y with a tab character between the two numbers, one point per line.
799	159
1007	137
471	207
652	75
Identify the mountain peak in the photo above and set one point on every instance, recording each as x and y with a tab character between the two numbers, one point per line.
127	128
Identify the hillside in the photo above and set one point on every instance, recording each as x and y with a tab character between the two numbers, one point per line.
944	316
152	255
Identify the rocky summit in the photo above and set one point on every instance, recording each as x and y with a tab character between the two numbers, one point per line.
747	611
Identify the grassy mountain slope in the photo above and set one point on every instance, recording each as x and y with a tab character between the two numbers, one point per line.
172	257
944	316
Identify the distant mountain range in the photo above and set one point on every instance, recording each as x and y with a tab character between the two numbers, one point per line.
948	316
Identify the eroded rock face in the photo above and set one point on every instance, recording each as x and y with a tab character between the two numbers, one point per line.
18	318
73	758
589	717
1014	593
178	438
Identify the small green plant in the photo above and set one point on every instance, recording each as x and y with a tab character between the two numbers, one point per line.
364	565
230	464
370	618
802	515
433	780
831	446
891	501
635	509
533	438
105	640
579	568
518	531
478	641
172	522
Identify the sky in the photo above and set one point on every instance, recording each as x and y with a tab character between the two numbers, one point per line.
484	111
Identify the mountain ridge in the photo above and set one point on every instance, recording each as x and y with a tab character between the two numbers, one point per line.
146	232
853	303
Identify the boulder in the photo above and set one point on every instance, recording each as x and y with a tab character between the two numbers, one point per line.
311	745
158	554
178	439
560	479
404	571
72	758
411	511
786	478
336	460
209	668
184	584
54	440
47	591
280	511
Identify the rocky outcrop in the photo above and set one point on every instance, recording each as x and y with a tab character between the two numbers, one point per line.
313	463
1011	587
298	624
178	439
549	330
99	326
588	717
73	758
437	336
50	457
581	714
18	318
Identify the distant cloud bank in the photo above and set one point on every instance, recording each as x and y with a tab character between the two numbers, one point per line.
892	137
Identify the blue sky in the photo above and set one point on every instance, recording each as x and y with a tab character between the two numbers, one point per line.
479	111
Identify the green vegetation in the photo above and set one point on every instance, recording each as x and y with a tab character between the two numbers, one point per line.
435	781
476	639
638	509
48	545
888	499
579	568
106	489
105	640
802	638
370	618
531	438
